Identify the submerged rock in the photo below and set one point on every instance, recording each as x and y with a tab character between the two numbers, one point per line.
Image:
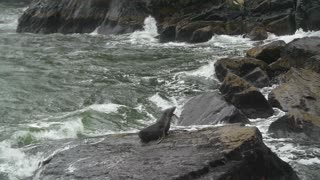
246	97
228	152
210	108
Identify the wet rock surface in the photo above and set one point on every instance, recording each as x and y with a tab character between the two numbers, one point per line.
299	95
303	53
300	89
76	16
297	124
269	53
210	108
228	152
244	67
246	97
190	21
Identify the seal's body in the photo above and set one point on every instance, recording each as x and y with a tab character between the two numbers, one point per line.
158	130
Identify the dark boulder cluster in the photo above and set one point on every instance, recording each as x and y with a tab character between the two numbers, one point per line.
188	20
295	67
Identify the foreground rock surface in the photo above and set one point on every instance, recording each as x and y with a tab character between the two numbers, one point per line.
229	152
210	108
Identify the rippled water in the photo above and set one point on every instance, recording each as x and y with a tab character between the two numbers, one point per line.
56	87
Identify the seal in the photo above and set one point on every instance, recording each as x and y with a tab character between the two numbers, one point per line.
158	130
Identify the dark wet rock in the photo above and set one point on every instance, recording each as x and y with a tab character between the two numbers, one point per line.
168	34
280	66
302	53
244	67
258	78
307	15
228	152
299	90
185	31
297	124
258	33
210	108
269	53
77	16
245	97
202	35
282	26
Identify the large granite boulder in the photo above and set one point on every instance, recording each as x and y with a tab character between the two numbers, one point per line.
303	53
297	124
268	53
245	97
228	152
210	108
300	89
253	70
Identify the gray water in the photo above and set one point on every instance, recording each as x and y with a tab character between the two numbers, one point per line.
56	88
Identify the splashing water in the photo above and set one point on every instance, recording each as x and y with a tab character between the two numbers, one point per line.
149	33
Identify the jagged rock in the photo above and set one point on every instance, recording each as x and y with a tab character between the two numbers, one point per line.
258	33
307	15
123	16
258	78
279	66
210	108
243	67
300	90
168	34
269	53
77	16
186	31
228	152
298	125
202	35
301	53
246	97
282	26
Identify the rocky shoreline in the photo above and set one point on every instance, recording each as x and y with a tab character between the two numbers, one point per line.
189	21
227	152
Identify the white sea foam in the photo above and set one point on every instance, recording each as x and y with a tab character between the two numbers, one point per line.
161	102
148	34
206	71
105	108
288	38
16	163
226	41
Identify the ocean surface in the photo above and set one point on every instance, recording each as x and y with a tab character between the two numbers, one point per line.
56	88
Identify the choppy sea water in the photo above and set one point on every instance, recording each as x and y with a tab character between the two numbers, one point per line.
56	88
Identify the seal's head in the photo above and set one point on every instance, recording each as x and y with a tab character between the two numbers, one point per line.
169	112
